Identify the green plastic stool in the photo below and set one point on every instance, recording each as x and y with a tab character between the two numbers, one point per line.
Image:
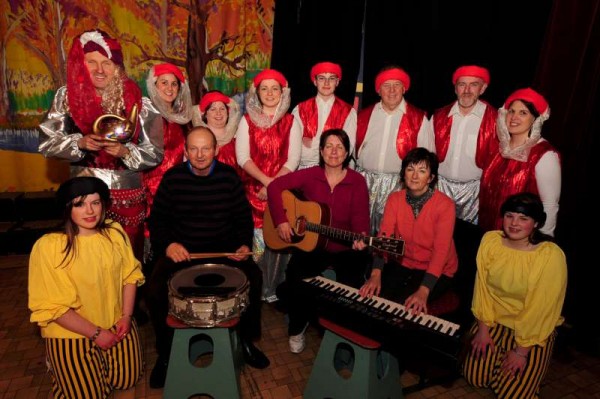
219	379
375	373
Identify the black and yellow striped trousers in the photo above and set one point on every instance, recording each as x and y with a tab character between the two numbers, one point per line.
485	372
80	369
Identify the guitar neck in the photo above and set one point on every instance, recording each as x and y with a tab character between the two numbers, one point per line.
333	232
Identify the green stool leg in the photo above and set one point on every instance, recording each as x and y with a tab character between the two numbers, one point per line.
375	374
219	379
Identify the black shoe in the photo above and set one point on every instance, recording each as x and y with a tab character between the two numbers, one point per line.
159	374
253	357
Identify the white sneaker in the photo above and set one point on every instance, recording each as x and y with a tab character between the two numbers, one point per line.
298	342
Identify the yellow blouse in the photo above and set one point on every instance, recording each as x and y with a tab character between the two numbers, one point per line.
91	283
522	290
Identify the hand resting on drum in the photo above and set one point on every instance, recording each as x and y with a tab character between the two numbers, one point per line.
177	252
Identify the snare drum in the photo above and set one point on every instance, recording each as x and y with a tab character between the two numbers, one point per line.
209	294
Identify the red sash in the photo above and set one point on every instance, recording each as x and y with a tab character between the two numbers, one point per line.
408	131
309	114
487	141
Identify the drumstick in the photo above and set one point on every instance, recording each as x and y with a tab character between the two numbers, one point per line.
218	254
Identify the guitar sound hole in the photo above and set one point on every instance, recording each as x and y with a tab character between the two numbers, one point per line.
300	226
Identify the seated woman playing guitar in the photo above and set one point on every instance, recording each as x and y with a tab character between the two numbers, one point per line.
344	192
424	218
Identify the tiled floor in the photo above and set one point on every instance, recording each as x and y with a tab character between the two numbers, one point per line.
23	373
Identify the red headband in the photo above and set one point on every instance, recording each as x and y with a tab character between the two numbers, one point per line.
471	70
161	69
270	74
212	97
530	95
392	74
97	40
326	67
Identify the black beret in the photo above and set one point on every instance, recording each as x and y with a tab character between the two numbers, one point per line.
82	185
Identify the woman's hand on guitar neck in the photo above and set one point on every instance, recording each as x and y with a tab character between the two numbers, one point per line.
359	244
285	232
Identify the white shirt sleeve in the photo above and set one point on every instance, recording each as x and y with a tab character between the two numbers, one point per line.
296	114
294	147
548	177
350	128
242	143
425	138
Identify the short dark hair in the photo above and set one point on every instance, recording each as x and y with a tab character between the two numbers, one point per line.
204	118
418	155
70	194
531	205
529	105
197	128
343	136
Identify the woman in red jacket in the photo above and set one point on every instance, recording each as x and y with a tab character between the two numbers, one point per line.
424	218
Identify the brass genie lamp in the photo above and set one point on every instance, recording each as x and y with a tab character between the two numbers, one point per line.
116	128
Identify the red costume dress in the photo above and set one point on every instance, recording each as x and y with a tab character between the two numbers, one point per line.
170	119
227	156
174	142
269	151
505	177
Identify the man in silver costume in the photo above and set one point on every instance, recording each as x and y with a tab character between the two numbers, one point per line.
385	132
96	85
464	133
465	140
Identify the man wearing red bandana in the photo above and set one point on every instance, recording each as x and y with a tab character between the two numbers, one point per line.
323	112
385	132
465	140
97	85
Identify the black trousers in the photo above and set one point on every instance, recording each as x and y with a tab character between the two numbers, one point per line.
157	295
350	267
399	282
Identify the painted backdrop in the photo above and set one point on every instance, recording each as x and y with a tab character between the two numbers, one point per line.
221	44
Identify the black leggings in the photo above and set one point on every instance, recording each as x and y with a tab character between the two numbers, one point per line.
350	267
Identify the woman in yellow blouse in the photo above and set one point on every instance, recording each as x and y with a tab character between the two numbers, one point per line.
82	286
519	293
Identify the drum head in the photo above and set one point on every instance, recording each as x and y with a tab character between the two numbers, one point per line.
208	294
207	280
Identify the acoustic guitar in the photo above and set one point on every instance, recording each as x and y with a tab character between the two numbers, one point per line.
310	222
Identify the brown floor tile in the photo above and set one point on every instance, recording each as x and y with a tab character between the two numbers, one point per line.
23	371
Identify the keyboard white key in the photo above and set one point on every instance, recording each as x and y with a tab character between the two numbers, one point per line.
392	308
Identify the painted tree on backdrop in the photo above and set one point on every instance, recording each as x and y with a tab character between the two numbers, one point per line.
222	41
224	46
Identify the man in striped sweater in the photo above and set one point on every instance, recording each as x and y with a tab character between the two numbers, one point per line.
200	207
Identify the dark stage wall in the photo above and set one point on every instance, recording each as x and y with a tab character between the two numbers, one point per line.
428	38
553	46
